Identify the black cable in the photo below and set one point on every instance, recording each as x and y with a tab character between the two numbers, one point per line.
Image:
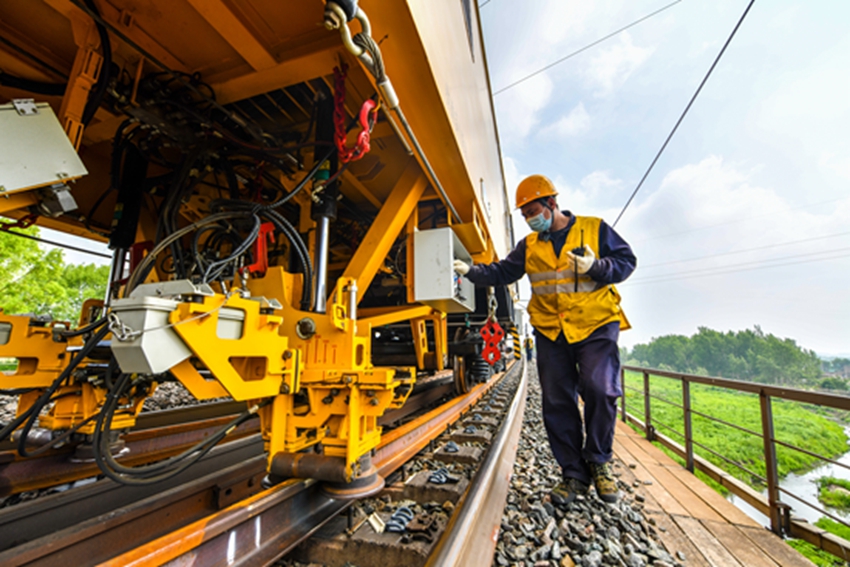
52	443
16	391
59	244
37	87
157	472
43	400
216	269
585	48
99	91
83	330
687	108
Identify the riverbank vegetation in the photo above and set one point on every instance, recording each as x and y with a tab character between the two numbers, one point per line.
794	423
751	355
814	428
834	492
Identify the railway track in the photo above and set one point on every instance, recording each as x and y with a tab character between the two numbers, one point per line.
218	513
157	435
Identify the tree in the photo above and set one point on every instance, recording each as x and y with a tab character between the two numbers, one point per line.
744	355
36	281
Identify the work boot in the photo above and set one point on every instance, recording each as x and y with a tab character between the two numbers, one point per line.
567	490
606	484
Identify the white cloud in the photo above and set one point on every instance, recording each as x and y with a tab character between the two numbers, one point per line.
715	249
519	108
599	181
608	70
838	165
575	123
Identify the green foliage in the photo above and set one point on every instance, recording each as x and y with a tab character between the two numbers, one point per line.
39	282
795	423
834	527
815	555
837	366
832	383
834	492
745	355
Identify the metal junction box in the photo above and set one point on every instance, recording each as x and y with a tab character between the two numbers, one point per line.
34	149
435	282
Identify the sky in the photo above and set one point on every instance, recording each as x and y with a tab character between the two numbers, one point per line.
745	219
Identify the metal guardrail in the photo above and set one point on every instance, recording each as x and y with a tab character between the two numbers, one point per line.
778	511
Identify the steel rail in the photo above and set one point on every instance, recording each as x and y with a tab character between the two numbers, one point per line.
145	446
473	530
103	516
263	527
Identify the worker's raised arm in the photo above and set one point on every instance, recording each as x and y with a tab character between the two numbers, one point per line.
505	272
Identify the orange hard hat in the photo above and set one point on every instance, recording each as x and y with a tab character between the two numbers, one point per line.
534	187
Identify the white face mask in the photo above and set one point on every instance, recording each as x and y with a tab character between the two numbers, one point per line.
540	223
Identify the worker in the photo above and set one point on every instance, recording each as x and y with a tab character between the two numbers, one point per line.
529	349
577	321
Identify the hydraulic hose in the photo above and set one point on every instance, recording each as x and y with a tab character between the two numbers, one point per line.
42	401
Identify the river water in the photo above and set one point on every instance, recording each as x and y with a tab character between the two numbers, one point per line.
805	487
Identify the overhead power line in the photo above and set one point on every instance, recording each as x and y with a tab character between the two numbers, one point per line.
484	3
726	272
743	267
793	242
687	108
59	244
585	48
744	219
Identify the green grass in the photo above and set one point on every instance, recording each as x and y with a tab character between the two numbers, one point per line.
815	555
8	364
834	492
794	423
834	527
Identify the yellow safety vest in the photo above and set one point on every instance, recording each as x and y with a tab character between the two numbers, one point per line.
555	304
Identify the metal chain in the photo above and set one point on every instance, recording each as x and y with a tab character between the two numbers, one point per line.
123	333
492	304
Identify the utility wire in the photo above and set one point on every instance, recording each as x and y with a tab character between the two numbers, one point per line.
59	244
745	219
484	3
745	250
743	267
585	48
720	273
687	108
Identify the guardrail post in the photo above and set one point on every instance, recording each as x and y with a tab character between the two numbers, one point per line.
647	415
772	474
623	397
689	432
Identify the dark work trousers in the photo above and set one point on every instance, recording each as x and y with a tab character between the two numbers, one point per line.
590	368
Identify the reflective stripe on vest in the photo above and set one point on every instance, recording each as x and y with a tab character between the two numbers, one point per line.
555	304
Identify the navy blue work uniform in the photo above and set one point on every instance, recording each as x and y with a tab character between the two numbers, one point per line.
589	367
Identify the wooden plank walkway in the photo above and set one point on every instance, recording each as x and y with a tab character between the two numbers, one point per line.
696	520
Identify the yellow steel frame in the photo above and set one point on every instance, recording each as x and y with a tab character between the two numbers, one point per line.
323	386
41	358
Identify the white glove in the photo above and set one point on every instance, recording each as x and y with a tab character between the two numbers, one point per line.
582	263
461	267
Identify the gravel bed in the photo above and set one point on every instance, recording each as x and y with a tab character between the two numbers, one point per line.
8	406
586	533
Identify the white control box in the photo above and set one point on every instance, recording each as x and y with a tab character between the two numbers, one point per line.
34	149
435	282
